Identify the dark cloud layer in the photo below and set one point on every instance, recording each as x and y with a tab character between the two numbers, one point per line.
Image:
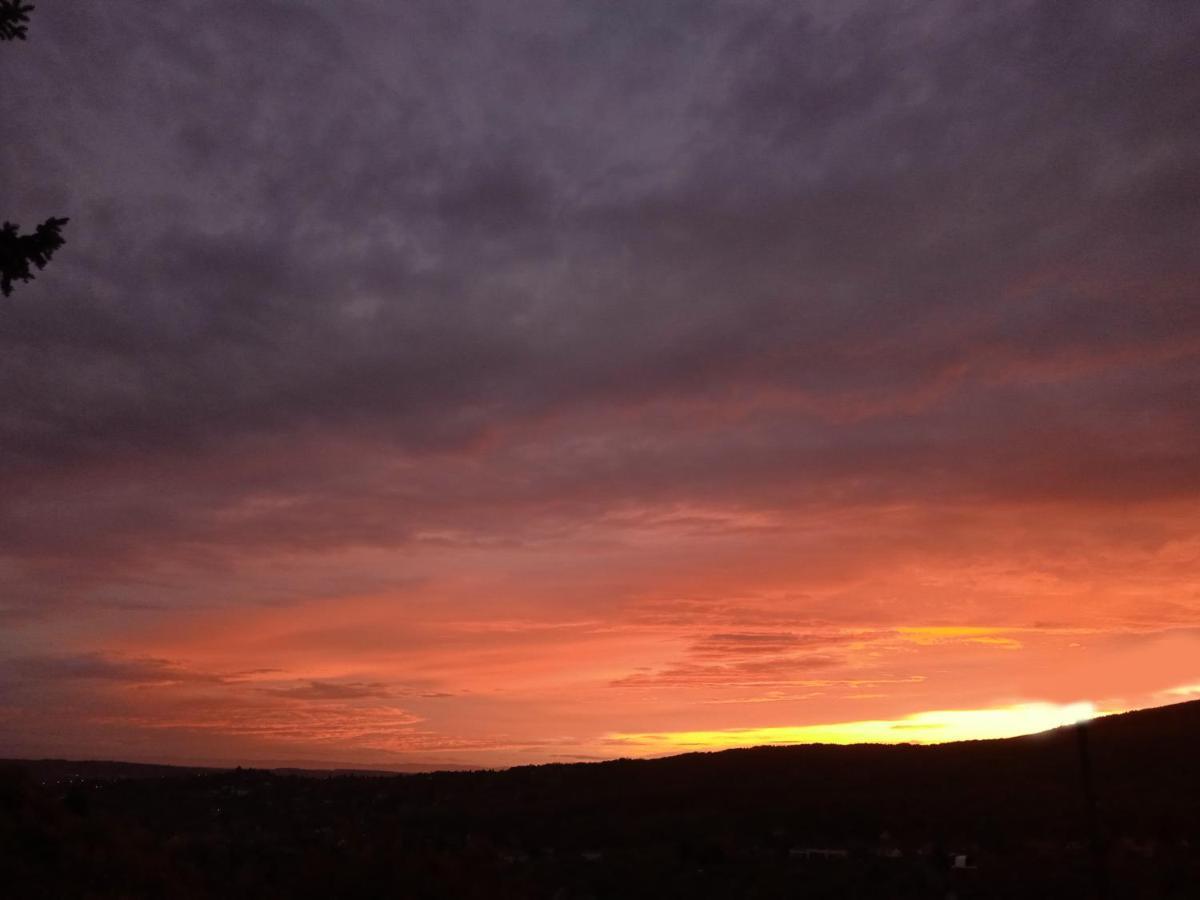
343	273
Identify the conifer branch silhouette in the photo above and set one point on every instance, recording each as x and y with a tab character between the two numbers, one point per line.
18	251
13	18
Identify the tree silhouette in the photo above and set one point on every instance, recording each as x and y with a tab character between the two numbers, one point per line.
18	251
13	16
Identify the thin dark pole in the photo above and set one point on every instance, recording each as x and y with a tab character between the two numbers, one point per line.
1099	873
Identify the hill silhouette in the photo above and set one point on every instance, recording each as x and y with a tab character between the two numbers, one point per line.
72	770
993	818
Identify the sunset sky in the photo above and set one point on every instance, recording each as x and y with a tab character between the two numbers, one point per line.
546	380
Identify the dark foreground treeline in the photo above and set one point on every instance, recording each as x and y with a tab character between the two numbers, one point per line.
982	819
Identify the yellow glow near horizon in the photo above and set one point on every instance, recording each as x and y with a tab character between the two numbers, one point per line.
933	727
938	634
1184	690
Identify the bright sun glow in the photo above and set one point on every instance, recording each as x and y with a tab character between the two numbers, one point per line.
937	726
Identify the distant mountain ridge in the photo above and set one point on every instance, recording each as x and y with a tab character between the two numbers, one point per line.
111	770
1177	721
975	819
